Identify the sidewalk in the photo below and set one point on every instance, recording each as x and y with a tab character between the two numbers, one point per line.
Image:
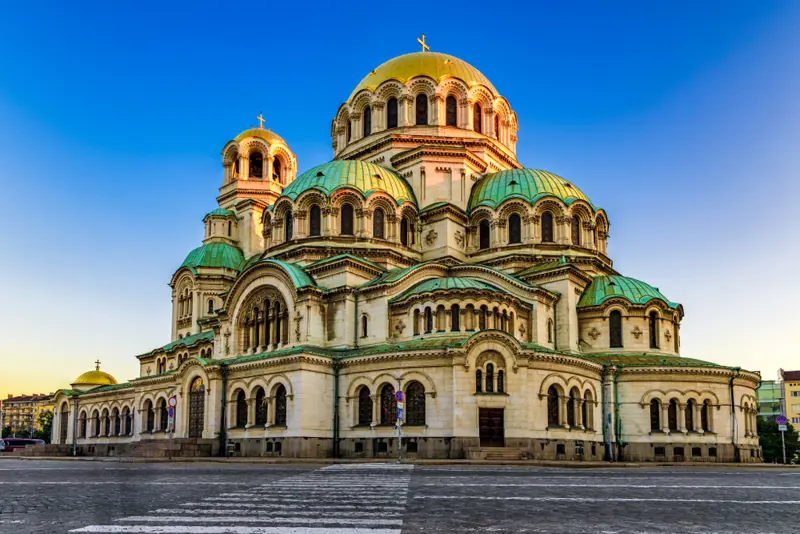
328	461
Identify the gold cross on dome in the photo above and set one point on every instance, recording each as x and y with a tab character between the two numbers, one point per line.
260	120
97	365
422	42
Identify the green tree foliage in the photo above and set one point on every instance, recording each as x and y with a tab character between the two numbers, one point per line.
46	425
770	440
5	432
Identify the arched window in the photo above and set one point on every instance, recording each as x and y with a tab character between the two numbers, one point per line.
615	328
163	415
378	218
256	165
261	407
364	326
705	416
277	315
455	316
482	317
476	118
346	224
422	109
391	113
149	417
689	415
451	111
315	221
127	421
210	306
229	228
364	407
547	227
388	405
655	416
514	229
653	327
288	224
478	381
552	406
483	229
415	399
277	175
82	425
501	381
586	410
428	321
349	130
490	378
571	405
106	424
404	232
367	120
497	126
241	409
257	329
280	405
549	330
672	415
576	231
96	419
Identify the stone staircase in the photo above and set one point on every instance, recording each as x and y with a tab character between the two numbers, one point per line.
497	453
181	448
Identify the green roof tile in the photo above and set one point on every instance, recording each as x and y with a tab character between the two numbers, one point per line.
188	341
635	291
527	184
338	257
214	255
220	212
299	277
444	284
368	178
639	359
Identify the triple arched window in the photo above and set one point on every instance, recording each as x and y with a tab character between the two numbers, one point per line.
688	418
422	109
451	111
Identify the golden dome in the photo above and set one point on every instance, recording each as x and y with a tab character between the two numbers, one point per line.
95	378
432	64
267	135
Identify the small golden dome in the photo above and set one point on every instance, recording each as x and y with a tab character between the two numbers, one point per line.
432	64
267	135
95	378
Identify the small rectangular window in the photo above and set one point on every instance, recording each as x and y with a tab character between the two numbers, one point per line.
660	451
678	452
359	448
712	451
696	451
561	449
411	446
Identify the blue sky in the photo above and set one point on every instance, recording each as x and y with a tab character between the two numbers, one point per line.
681	119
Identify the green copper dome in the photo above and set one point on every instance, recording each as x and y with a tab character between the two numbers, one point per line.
526	184
634	291
220	212
214	255
368	178
444	284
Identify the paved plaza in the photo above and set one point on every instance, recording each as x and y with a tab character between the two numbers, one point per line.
210	498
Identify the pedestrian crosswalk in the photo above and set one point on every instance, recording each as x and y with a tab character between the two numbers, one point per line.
339	499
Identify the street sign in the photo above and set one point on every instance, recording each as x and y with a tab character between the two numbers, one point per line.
400	396
171	412
173	401
781	420
399	413
782	428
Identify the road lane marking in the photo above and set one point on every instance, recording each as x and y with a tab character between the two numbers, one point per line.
247	519
267	505
595	499
196	529
641	486
228	511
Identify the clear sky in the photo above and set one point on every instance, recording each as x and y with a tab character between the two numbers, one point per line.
681	119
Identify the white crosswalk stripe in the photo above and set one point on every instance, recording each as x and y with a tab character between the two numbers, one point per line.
339	499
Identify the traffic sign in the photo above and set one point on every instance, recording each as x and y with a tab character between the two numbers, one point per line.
781	420
782	428
400	396
171	412
173	401
169	422
399	413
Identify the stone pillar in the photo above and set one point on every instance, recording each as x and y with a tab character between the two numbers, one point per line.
244	168
698	418
251	412
579	422
665	418
378	117
404	110
682	417
374	399
268	167
562	411
273	330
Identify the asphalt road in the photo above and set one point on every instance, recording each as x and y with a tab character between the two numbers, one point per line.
59	497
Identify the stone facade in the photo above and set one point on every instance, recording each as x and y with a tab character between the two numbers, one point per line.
424	259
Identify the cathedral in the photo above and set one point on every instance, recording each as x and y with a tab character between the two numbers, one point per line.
423	294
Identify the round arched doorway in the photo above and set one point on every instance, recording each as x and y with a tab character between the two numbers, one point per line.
197	408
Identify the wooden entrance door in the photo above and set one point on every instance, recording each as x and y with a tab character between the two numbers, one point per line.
492	427
197	408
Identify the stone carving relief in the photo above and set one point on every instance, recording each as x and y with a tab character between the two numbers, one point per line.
637	332
430	237
594	333
459	239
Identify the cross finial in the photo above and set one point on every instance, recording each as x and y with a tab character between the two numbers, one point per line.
421	40
260	120
97	365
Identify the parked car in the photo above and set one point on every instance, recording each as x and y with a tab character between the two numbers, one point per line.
13	444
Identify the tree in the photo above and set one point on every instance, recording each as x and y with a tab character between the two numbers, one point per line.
46	425
770	440
5	432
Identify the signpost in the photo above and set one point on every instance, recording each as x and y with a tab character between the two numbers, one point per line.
400	397
781	420
172	403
